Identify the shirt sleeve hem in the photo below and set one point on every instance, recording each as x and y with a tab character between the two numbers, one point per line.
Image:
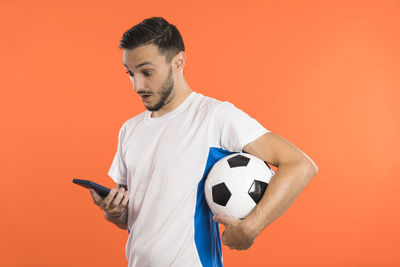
253	137
117	179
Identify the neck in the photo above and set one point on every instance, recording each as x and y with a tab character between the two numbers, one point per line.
177	97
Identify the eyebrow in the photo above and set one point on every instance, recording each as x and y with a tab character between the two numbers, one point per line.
141	64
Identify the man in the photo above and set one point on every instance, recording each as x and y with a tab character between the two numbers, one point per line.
164	155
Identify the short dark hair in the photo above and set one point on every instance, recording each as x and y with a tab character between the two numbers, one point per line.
156	31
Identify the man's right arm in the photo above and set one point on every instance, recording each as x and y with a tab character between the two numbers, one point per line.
114	205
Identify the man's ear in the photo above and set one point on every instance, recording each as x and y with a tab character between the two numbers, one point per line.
180	60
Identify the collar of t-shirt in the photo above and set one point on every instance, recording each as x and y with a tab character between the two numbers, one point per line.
149	119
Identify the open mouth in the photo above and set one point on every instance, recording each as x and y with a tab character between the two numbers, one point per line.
145	97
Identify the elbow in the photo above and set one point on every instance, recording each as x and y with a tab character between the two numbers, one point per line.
310	171
313	168
310	168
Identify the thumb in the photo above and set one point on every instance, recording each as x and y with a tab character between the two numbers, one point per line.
96	197
225	220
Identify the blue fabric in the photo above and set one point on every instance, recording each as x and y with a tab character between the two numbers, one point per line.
206	230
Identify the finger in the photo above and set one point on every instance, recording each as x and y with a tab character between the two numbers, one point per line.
245	244
224	239
107	200
124	202
96	197
225	220
117	200
235	246
244	247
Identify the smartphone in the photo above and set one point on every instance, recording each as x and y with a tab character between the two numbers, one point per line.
101	190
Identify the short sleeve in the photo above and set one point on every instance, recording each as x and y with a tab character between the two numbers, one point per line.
235	127
118	170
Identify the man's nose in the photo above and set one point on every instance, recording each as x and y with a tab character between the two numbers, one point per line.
138	83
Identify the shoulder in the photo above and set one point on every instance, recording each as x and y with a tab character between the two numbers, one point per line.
135	119
132	122
220	110
216	103
207	102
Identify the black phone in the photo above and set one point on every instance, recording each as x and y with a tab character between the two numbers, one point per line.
101	190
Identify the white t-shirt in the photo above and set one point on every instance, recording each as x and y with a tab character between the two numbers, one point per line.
164	161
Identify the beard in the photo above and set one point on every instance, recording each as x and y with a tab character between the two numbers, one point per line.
166	89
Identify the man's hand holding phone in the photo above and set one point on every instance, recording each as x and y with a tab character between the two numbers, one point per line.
114	205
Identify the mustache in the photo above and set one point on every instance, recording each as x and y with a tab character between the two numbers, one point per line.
143	93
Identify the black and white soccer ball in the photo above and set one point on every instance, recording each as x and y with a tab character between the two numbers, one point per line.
236	183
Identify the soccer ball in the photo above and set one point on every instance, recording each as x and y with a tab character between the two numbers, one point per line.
236	183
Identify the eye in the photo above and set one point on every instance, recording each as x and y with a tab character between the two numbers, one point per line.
147	73
130	74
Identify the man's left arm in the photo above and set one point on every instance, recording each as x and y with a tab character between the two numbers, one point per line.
295	170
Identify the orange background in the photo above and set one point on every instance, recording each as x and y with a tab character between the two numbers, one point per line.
325	75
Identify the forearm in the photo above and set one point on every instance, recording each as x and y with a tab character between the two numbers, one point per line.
284	187
121	221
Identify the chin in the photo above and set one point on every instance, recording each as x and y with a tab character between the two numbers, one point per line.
152	108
